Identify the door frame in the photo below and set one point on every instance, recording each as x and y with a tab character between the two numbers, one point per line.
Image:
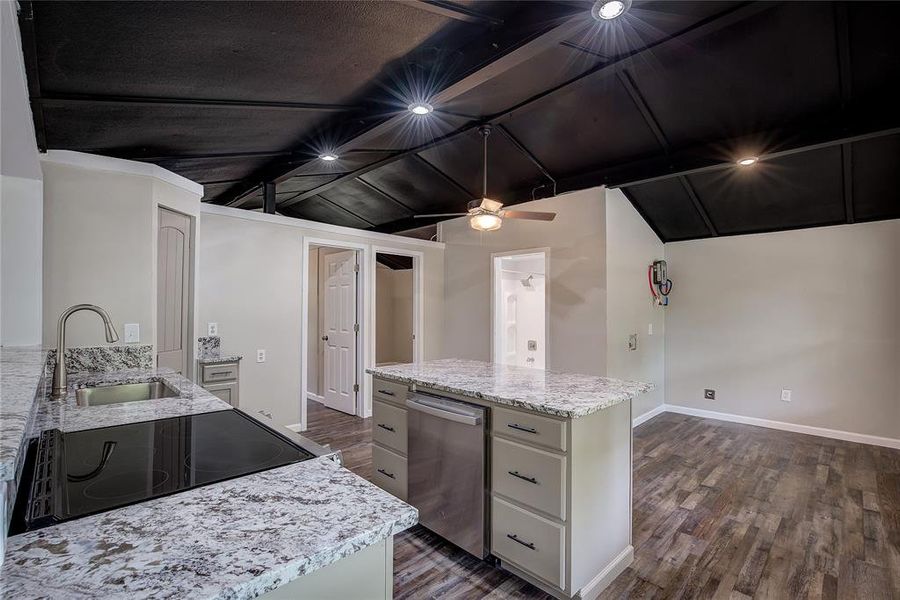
418	297
364	306
495	262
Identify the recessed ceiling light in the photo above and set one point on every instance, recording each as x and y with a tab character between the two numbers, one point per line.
747	161
606	10
328	156
420	108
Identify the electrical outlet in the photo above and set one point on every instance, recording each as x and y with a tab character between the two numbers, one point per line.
132	333
709	394
649	328
785	395
212	329
260	356
532	345
632	342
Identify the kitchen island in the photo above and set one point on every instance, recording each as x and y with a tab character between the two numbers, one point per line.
559	472
275	533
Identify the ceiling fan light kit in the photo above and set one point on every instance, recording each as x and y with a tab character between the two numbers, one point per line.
485	222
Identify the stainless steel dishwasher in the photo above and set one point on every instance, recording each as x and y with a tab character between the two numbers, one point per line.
446	450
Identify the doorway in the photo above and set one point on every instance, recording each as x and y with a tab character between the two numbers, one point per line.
520	308
334	324
173	291
394	309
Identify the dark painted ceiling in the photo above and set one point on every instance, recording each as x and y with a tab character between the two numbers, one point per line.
660	102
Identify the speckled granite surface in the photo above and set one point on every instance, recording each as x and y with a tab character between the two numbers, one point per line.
21	370
235	539
209	351
551	392
104	358
66	415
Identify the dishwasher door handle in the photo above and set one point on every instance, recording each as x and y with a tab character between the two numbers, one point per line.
441	413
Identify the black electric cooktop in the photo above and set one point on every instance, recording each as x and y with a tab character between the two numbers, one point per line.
71	475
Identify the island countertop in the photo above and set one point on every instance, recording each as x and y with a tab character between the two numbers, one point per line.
569	395
235	539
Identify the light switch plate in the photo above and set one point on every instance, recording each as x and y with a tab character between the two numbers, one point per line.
785	395
532	345
212	329
709	394
132	333
632	341
260	356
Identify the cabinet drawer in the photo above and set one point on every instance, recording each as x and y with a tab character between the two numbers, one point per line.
225	391
390	390
223	372
530	541
389	425
389	471
530	476
530	428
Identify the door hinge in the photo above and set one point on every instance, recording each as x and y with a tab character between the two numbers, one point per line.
356	328
356	268
356	387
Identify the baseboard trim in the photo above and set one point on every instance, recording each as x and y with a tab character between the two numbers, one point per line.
836	434
296	427
658	410
609	573
315	397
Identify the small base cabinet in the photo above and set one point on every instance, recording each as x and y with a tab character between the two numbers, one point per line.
222	380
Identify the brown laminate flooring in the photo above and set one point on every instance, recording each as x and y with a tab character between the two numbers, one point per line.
721	510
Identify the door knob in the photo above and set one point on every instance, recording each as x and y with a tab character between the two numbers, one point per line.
324	338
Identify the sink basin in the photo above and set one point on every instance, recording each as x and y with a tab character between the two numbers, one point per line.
127	392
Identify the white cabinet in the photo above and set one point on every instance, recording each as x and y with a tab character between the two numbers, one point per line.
222	380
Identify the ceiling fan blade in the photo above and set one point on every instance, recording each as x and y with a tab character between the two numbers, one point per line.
525	214
440	215
491	205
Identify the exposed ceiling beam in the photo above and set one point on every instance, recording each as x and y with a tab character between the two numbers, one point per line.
269	197
525	50
177	157
380	192
346	210
58	99
531	157
406	224
443	175
637	98
455	11
583	49
29	54
371	167
700	159
847	175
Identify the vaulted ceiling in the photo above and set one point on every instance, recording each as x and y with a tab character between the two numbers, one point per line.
661	102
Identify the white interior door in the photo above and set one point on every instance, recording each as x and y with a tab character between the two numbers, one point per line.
339	331
173	283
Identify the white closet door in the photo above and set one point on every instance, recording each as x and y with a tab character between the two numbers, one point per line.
173	287
339	327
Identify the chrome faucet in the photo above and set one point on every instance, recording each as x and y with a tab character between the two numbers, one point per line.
59	373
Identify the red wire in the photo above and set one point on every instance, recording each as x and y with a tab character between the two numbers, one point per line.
650	281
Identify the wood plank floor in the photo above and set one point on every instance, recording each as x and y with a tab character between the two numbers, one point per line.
721	510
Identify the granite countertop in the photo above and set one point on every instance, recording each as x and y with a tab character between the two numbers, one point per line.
234	539
21	370
217	359
66	415
570	395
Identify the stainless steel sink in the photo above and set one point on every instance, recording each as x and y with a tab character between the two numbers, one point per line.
127	392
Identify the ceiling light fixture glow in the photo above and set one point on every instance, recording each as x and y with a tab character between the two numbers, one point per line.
606	10
328	156
420	108
747	161
485	222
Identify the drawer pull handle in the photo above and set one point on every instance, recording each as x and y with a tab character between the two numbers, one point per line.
387	392
386	474
516	539
386	428
521	428
217	373
520	476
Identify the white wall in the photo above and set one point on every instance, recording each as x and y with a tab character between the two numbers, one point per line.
814	311
631	246
577	280
21	190
250	282
393	315
100	240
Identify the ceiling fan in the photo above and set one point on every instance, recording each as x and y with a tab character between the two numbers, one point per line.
486	214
